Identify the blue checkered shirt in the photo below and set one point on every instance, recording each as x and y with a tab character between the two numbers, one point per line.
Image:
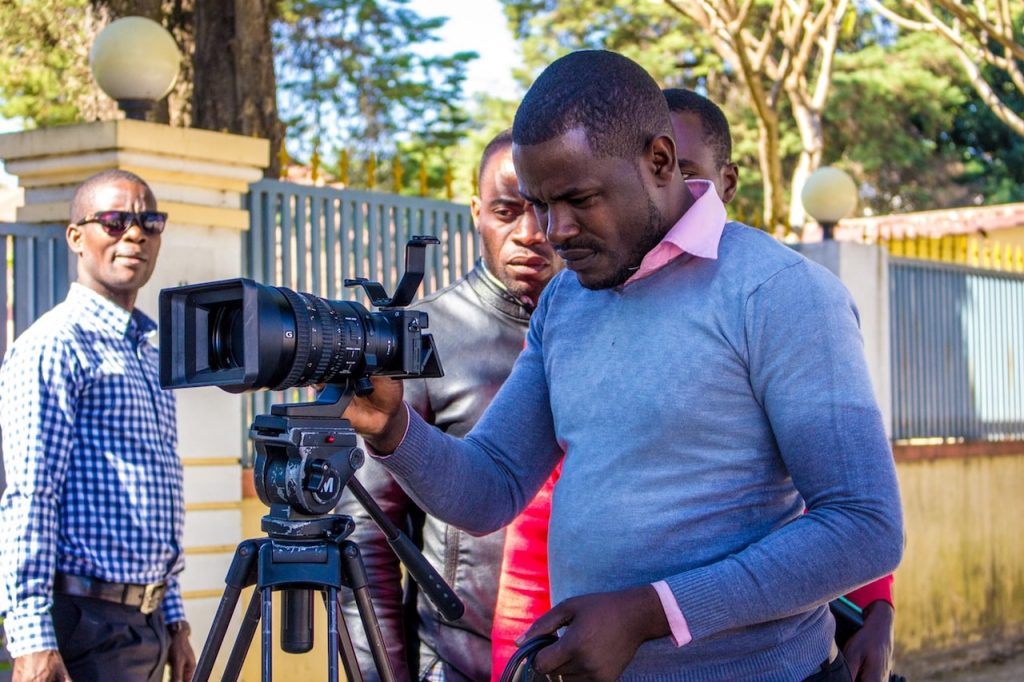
94	483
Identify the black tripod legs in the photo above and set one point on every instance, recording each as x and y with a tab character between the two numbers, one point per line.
241	574
270	564
355	573
243	641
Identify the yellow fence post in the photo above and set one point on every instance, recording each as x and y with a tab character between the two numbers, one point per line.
283	160
962	248
343	161
897	247
314	163
371	171
423	177
396	173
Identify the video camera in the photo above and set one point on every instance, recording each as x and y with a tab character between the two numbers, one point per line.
241	335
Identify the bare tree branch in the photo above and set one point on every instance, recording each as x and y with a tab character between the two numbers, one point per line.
974	37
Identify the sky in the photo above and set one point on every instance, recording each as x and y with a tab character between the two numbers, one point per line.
473	25
480	26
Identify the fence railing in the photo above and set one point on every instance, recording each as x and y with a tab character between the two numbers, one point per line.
313	238
35	273
957	345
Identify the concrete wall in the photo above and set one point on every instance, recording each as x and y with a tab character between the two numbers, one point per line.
962	578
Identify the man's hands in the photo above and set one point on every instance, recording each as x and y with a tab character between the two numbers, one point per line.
602	633
180	657
381	417
869	651
41	666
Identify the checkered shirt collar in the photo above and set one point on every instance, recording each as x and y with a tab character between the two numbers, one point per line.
109	317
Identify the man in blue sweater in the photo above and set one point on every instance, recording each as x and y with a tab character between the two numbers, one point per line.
707	385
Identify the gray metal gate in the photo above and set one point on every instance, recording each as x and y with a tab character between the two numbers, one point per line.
957	337
35	273
313	238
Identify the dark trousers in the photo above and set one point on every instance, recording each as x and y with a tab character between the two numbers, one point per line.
101	640
836	671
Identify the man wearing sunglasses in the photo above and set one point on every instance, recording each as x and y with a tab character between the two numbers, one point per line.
93	511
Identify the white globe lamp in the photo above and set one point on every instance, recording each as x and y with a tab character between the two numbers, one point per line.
135	61
828	196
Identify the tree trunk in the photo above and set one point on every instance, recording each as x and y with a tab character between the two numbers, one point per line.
812	143
234	89
770	160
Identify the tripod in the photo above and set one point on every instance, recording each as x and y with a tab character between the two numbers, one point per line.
304	460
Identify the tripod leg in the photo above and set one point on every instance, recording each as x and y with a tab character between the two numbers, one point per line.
348	650
333	636
267	639
240	574
352	565
244	639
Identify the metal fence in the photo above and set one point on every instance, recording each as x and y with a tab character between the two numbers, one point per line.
35	273
313	238
957	336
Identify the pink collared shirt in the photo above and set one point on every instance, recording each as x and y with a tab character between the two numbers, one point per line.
697	233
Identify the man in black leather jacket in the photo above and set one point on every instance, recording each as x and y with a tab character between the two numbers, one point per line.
479	325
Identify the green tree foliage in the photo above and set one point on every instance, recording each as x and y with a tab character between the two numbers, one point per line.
993	155
903	162
44	73
901	117
356	74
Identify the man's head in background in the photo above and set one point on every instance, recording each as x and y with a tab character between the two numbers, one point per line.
115	233
515	249
703	141
593	149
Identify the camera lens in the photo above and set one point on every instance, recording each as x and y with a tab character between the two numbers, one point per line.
226	338
245	336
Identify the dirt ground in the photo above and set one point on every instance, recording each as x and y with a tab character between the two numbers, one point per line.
1009	670
1003	662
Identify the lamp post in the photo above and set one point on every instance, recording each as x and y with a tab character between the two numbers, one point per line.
135	61
828	196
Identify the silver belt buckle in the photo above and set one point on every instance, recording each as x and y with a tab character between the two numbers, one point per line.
152	595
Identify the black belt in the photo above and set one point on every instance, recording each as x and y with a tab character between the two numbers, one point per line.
145	598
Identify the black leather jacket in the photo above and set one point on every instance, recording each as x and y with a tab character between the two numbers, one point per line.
479	330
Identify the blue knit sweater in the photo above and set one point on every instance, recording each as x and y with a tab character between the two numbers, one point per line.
700	410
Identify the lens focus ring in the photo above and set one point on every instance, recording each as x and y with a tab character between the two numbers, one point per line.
326	324
302	312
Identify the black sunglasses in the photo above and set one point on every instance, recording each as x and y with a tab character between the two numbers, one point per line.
116	223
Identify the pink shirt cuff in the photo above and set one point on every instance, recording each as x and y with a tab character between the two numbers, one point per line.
676	622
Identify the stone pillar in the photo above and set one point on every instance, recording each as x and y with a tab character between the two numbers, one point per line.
864	269
200	178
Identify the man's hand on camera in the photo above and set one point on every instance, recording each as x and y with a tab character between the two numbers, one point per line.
40	666
602	633
869	651
381	417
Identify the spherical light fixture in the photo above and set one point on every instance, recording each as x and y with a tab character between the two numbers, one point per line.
828	196
135	61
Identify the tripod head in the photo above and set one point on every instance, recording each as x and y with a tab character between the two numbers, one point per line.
305	458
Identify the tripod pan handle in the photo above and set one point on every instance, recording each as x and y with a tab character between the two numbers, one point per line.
430	581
